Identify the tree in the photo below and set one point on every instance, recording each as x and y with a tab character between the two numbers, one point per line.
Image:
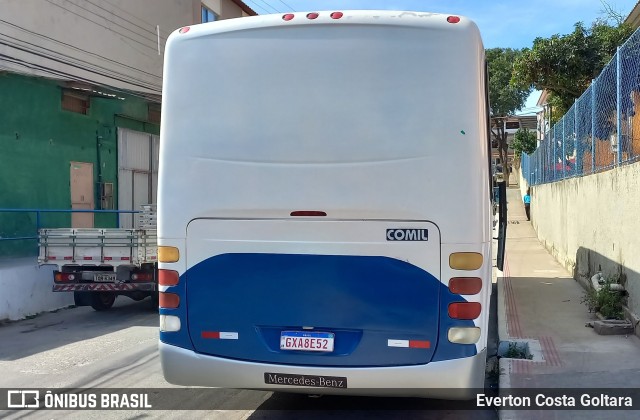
505	98
524	141
565	65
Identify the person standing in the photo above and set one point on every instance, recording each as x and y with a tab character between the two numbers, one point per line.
527	204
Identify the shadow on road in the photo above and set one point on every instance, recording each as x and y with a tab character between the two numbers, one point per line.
55	329
285	406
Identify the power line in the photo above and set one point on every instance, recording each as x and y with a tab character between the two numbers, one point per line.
267	4
126	20
77	60
76	48
154	48
136	17
79	67
154	40
292	9
257	9
59	73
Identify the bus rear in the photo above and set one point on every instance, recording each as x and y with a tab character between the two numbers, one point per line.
324	205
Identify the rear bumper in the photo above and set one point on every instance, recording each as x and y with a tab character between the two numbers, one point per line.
451	379
104	287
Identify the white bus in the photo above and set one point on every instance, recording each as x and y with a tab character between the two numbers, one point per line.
324	204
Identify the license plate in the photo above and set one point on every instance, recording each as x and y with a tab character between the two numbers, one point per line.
306	341
105	278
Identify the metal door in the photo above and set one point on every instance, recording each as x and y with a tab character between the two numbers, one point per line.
81	181
137	172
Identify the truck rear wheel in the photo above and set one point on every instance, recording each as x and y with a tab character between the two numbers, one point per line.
102	301
82	298
154	300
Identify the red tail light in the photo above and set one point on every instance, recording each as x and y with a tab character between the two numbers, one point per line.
142	277
64	277
464	310
168	277
168	300
465	285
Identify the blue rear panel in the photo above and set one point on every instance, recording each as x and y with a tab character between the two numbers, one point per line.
363	300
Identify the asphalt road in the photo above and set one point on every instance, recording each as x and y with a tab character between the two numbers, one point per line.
79	348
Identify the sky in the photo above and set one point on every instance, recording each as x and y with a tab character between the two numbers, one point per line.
502	23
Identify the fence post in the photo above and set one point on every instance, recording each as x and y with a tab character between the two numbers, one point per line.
575	137
555	147
619	105
564	151
593	125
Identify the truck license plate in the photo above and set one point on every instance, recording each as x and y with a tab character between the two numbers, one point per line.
105	278
306	341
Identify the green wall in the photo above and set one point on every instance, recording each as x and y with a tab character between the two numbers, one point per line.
38	140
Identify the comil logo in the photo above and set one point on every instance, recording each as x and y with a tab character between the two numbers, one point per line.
407	234
23	399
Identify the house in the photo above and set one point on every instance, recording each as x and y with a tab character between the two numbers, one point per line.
81	86
511	125
634	17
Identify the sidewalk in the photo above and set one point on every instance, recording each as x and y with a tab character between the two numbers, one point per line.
539	303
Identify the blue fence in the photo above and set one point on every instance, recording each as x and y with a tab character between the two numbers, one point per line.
602	128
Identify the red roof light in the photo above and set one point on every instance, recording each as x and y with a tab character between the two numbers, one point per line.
453	19
336	15
288	16
184	30
312	15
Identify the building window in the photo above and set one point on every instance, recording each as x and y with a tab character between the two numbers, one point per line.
512	125
153	113
75	102
208	15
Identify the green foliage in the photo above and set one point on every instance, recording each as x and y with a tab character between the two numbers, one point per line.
606	301
517	352
505	98
524	141
566	64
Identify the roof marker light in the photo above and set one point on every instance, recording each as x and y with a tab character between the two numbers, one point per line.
184	30
288	16
336	15
453	19
312	15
